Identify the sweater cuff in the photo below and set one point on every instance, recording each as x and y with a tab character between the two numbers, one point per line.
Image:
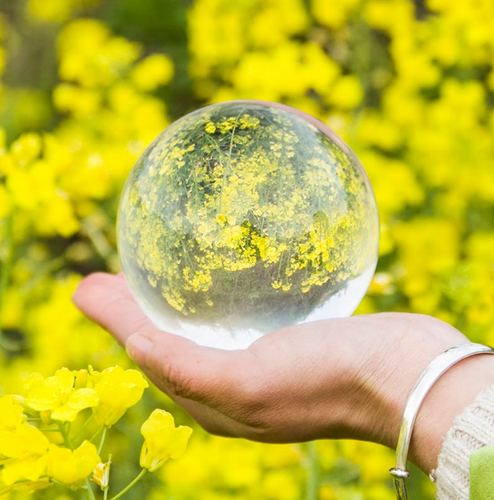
471	430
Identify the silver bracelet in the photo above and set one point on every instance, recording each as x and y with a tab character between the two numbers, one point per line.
433	371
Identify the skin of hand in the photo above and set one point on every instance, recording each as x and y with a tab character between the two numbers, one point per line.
339	378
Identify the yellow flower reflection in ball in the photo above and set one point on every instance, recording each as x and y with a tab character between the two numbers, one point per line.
244	217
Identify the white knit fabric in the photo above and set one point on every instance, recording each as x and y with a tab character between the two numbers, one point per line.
471	430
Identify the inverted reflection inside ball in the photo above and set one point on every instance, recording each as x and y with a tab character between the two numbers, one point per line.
242	218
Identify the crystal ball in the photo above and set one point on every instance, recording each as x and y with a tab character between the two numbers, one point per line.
245	217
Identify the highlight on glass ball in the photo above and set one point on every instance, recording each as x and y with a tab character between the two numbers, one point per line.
245	217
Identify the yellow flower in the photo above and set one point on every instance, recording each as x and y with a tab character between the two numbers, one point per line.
58	396
4	489
25	451
80	101
117	390
333	15
25	441
29	487
72	467
27	469
11	413
280	484
162	440
347	92
210	128
156	69
4	202
26	149
101	474
55	11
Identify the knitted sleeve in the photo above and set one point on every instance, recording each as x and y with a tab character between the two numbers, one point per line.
471	430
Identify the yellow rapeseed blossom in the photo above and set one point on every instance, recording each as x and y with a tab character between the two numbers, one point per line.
162	440
25	149
29	469
55	10
155	70
101	475
90	56
5	203
25	450
27	487
57	398
117	390
23	441
72	467
347	92
281	485
11	413
81	102
333	15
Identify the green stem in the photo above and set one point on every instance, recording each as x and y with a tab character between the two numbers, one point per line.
102	440
89	491
127	488
107	489
226	171
81	430
7	264
97	238
5	276
312	472
96	434
65	436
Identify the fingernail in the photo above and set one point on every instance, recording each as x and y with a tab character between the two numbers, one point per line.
138	346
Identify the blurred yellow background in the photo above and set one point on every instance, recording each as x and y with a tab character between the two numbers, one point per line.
87	84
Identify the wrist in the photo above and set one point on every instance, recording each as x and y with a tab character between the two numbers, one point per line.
378	387
397	364
455	390
396	367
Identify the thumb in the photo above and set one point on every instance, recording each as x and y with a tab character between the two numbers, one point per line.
183	368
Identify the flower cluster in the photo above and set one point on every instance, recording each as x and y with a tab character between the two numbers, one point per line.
31	426
409	87
56	11
56	187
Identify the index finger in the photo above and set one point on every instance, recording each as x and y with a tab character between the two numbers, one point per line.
107	300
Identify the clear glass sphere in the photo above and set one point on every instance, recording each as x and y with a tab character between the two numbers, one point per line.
245	217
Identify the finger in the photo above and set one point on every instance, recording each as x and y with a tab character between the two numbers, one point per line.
210	419
187	370
210	384
107	300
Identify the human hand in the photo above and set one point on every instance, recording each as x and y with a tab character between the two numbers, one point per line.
339	378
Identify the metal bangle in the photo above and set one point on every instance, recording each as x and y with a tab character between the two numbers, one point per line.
433	371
